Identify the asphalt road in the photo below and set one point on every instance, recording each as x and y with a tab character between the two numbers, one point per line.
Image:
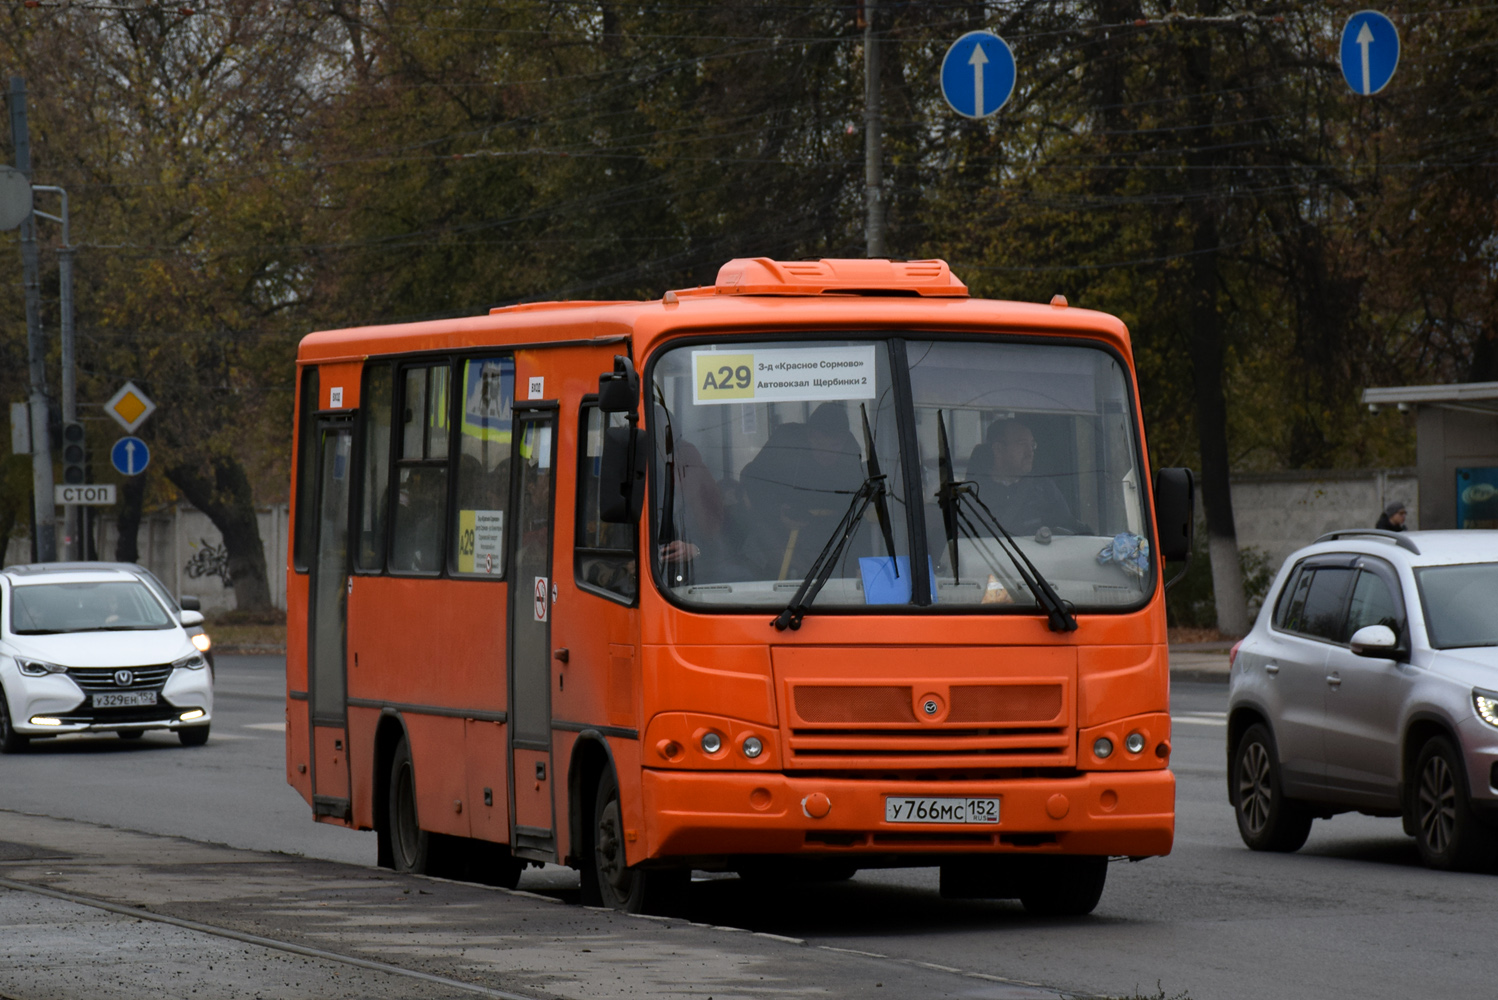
1351	915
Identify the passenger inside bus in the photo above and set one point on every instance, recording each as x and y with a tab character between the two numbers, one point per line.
1002	466
798	487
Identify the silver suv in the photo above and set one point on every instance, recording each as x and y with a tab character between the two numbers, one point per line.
1370	683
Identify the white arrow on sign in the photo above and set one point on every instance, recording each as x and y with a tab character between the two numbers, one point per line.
979	60
1365	39
129	458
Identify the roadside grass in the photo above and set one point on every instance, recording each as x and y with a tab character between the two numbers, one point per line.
233	632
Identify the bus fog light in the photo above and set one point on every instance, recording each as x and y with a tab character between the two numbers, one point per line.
712	743
1103	748
1134	743
753	747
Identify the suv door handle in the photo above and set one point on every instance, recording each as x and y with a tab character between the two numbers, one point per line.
1333	679
1271	668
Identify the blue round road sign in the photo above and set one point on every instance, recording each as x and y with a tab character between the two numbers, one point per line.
130	456
1370	52
977	74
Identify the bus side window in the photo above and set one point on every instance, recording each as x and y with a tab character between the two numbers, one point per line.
306	460
605	558
419	513
374	492
483	474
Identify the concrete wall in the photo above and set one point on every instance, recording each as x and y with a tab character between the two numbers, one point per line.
182	547
1447	440
1278	512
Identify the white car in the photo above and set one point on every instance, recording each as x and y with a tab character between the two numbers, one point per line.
96	650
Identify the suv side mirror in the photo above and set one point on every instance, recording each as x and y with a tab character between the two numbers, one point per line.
1376	641
619	391
189	603
1175	512
191	618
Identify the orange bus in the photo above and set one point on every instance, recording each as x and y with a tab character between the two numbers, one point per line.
635	587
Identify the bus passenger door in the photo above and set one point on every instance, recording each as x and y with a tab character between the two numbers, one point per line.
531	817
327	629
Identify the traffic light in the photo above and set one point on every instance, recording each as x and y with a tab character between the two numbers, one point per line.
74	467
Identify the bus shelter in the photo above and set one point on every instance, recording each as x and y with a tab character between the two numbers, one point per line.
1456	449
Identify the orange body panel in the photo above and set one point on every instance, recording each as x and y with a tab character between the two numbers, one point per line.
844	693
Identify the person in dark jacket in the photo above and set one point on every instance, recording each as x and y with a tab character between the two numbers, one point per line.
1392	519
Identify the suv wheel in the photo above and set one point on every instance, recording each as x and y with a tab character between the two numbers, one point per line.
1448	833
1267	820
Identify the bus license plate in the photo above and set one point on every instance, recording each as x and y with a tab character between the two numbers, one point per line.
940	810
125	699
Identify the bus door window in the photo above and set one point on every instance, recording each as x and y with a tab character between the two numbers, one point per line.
757	452
483	473
420	509
374	493
306	475
530	632
605	553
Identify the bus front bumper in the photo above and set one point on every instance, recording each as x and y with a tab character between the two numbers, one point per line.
715	814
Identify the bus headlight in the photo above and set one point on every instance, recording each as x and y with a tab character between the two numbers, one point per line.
711	743
1102	748
753	747
1134	742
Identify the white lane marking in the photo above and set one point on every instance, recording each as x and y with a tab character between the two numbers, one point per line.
277	727
1201	718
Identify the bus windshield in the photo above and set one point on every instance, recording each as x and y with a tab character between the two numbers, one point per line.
1025	454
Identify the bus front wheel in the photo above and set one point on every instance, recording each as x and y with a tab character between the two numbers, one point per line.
619	885
410	845
1064	886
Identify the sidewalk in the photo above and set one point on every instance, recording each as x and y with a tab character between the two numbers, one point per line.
1200	661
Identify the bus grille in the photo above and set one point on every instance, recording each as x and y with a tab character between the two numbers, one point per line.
842	726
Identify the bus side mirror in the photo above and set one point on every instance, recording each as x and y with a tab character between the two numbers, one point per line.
619	390
621	475
1175	512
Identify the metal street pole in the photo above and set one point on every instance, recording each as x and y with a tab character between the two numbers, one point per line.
44	520
72	514
873	138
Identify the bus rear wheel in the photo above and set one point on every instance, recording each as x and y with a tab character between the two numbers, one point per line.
619	885
410	845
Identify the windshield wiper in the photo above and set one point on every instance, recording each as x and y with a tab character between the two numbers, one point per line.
951	497
871	491
822	566
39	631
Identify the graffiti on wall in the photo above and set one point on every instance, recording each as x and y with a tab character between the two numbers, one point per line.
209	560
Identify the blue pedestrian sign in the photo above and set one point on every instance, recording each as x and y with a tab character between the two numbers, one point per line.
1370	52
977	75
130	456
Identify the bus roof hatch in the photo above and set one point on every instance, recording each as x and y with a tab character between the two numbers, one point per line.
762	276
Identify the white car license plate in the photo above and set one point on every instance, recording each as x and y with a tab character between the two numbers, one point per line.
940	810
125	699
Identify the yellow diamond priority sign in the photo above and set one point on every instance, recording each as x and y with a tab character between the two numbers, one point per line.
130	407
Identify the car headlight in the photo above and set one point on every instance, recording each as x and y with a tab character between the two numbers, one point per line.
39	668
202	641
1486	703
192	661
